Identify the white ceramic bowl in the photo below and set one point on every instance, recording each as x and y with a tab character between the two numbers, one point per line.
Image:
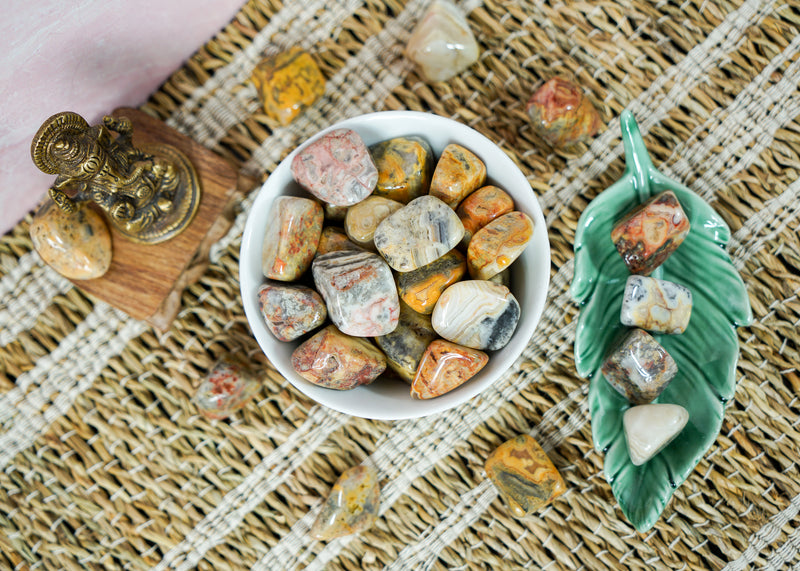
387	399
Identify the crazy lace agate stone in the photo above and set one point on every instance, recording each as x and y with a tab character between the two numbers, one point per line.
649	428
362	219
442	44
458	173
650	233
445	366
77	245
639	368
336	168
334	239
334	360
225	390
404	167
477	314
291	238
405	345
524	475
561	114
658	306
359	292
495	246
335	213
417	234
288	83
481	207
352	505
290	310
421	288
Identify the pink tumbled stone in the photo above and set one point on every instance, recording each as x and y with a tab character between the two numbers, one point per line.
291	239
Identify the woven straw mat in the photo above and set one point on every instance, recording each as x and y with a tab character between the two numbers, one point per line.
105	463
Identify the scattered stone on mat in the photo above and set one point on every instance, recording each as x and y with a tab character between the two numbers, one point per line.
288	83
225	390
404	168
291	238
649	428
458	173
290	311
336	168
495	246
405	345
362	219
77	244
352	505
334	239
359	292
658	306
417	234
334	360
481	207
648	234
421	288
477	314
561	114
445	366
524	475
442	44
639	368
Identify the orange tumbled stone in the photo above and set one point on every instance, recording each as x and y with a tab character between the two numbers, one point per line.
481	207
421	288
524	475
404	167
458	173
495	246
444	367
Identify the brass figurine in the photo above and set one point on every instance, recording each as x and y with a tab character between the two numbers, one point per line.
150	194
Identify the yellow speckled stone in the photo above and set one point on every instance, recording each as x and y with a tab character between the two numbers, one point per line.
352	505
404	167
458	173
495	246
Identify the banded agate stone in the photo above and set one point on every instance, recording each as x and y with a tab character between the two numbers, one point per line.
421	288
524	475
336	168
445	366
334	239
405	345
650	233
495	246
639	368
481	207
291	239
404	167
649	428
658	306
359	292
477	314
423	230
352	505
362	219
561	114
334	360
458	173
225	390
290	310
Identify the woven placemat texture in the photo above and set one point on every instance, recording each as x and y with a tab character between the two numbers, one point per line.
105	464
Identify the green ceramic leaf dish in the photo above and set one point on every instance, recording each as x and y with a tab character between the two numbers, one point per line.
706	353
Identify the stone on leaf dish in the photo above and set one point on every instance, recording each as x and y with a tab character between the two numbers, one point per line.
639	368
658	306
650	427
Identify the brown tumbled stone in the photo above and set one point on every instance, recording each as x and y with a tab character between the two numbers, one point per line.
404	167
458	173
481	207
405	345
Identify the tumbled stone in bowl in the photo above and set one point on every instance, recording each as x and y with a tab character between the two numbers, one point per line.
421	288
405	345
445	366
291	238
481	207
362	219
334	239
458	173
404	167
290	311
495	246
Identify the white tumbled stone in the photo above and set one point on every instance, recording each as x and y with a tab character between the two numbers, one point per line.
650	427
658	306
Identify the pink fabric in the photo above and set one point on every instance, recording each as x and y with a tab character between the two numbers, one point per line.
87	56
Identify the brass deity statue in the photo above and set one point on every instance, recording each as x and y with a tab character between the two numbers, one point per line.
150	194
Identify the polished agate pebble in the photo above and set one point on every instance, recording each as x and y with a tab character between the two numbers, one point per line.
336	168
404	167
458	173
77	245
334	240
442	44
352	505
288	83
649	428
524	475
359	292
362	219
291	239
495	246
639	368
405	345
477	314
658	306
225	390
445	366
334	360
650	233
423	230
561	114
421	288
290	310
481	207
